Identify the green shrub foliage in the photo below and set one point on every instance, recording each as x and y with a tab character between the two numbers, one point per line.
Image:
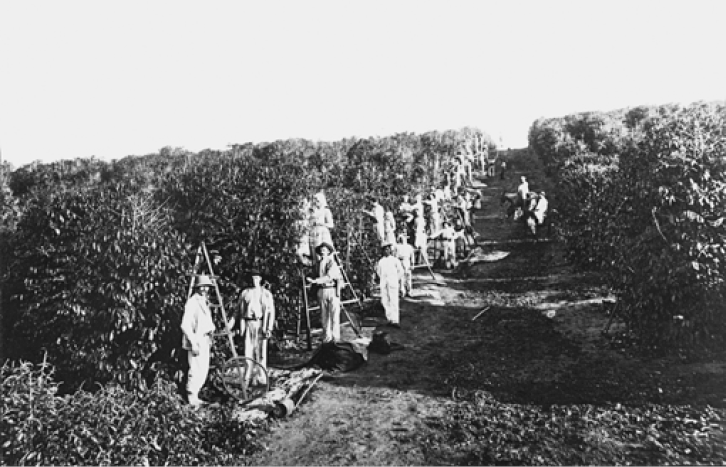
642	197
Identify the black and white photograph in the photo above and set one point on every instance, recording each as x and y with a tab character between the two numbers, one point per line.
405	232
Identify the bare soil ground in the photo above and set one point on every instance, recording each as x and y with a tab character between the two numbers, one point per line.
540	343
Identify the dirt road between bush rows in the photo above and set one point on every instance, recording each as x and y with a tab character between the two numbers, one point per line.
539	342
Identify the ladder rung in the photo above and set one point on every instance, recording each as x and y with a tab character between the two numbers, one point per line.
221	333
314	308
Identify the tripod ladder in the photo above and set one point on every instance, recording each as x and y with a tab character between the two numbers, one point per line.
202	260
308	308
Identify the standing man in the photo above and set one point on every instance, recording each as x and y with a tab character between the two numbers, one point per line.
503	170
404	253
448	235
255	318
390	274
321	221
421	240
378	214
197	328
540	209
329	283
523	192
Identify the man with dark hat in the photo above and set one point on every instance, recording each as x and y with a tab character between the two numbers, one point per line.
390	273
256	318
197	327
329	282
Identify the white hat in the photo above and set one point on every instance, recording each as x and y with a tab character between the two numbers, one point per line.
203	281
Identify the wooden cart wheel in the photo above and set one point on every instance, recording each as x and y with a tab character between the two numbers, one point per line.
245	379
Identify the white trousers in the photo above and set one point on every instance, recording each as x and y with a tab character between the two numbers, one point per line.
389	300
198	370
255	345
330	314
407	282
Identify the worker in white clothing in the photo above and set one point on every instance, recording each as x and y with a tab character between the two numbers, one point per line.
523	192
540	209
329	283
255	318
389	228
390	272
421	240
406	210
197	328
433	213
448	235
321	220
404	253
378	214
303	225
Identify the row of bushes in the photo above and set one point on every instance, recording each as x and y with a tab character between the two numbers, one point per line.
111	426
97	256
641	196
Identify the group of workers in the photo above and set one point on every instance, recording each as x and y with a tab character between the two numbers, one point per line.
253	319
423	220
532	205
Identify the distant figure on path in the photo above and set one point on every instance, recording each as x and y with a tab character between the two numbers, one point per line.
390	273
404	253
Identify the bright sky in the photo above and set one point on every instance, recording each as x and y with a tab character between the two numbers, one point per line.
111	79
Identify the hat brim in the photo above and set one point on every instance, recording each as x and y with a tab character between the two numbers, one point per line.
324	244
247	275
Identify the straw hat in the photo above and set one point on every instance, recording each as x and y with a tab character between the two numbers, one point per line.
203	281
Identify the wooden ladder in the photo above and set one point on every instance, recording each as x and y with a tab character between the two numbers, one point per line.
202	260
308	308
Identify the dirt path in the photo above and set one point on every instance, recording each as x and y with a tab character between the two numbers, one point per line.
539	342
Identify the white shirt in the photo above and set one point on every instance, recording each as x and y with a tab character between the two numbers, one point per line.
378	213
404	252
196	322
542	205
523	190
328	272
389	270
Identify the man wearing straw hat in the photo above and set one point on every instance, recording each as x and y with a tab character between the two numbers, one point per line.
329	283
256	318
390	273
197	328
